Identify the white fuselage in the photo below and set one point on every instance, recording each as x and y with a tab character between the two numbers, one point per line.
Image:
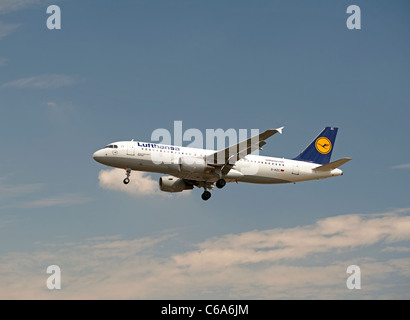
165	159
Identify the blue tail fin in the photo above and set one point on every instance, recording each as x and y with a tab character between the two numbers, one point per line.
320	149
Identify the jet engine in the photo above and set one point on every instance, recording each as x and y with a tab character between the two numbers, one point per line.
173	184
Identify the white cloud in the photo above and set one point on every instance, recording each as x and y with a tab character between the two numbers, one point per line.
47	81
140	183
261	264
335	233
402	166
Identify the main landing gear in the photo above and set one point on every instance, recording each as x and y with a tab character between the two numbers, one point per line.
127	179
206	195
220	183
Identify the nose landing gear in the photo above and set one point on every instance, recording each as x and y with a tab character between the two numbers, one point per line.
127	179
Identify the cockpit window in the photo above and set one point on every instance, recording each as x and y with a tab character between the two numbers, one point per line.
112	146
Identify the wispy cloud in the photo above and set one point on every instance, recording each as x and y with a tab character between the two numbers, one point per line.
60	107
67	199
9	190
140	183
51	104
6	29
261	264
7	6
402	166
5	222
17	195
3	62
47	81
396	249
60	112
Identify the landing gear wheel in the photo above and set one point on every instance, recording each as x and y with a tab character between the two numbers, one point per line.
127	173
220	183
206	195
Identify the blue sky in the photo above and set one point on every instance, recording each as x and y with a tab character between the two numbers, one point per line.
118	70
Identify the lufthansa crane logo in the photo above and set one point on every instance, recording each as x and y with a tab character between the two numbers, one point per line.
323	145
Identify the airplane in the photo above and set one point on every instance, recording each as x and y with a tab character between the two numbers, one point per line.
203	168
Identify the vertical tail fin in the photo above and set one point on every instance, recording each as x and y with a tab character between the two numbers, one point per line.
320	150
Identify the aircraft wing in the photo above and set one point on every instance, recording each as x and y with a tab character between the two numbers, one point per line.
226	158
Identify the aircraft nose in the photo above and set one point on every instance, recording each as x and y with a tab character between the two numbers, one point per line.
98	155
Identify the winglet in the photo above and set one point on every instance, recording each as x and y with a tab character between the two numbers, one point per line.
279	130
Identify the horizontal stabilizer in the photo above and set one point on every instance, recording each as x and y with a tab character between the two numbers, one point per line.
332	165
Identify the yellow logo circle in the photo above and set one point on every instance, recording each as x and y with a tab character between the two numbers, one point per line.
323	145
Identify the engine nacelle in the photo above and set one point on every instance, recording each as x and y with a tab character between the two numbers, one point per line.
173	184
